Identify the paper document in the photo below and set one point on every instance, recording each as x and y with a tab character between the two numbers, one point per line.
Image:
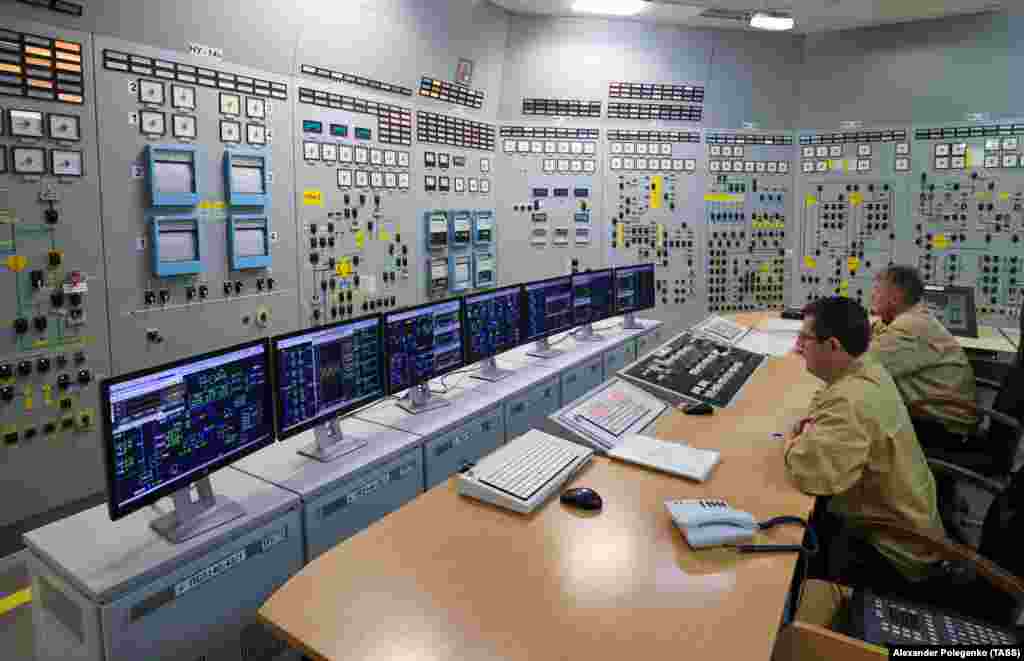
778	325
768	344
668	456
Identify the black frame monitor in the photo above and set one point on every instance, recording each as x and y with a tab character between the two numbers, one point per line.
323	373
547	308
416	338
634	288
592	297
169	426
492	323
954	307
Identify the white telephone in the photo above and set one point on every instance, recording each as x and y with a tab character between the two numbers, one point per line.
706	523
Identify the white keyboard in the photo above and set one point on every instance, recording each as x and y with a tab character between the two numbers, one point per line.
613	409
721	329
668	456
525	472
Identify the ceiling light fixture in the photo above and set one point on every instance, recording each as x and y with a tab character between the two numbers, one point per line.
610	7
765	21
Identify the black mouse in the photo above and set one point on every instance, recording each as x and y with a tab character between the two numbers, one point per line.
699	409
583	498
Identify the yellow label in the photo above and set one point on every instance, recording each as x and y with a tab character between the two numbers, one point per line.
810	201
28	398
969	158
657	186
940	241
8	216
856	199
810	262
344	267
620	235
17	263
213	204
723	197
984	195
360	239
660	230
844	285
765	267
846	167
312	197
47	394
852	263
383	234
1004	196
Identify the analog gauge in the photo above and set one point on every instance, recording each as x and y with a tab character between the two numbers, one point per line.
64	127
230	104
151	91
152	122
26	123
255	108
311	151
183	126
230	131
66	163
255	134
183	96
329	153
28	160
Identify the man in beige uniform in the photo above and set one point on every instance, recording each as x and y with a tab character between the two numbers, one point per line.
923	358
857	445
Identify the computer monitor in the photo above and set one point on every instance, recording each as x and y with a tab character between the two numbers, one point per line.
422	343
493	323
634	291
548	310
168	427
592	301
320	375
954	308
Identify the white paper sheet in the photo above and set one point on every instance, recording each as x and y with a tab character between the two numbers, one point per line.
769	344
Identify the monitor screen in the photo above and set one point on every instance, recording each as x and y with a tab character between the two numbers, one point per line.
634	288
327	372
422	343
493	323
169	426
954	307
548	307
592	297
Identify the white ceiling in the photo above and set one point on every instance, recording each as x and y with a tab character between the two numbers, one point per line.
810	15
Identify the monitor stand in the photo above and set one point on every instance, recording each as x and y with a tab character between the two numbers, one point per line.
543	349
190	518
330	442
629	322
419	399
586	334
489	371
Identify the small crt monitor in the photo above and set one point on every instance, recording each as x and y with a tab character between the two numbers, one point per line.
493	324
634	288
954	308
592	297
422	343
168	427
324	373
547	311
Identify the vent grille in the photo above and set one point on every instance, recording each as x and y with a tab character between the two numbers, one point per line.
724	14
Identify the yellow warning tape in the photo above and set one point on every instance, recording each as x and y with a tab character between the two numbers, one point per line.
12	601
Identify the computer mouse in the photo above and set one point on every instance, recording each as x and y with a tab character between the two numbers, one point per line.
583	498
699	409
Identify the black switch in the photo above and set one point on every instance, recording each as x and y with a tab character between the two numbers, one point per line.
37	278
312	228
227	288
63	381
7	393
239	286
190	293
204	291
40	323
43	365
270	284
165	296
57	298
51	216
6	371
260	284
25	367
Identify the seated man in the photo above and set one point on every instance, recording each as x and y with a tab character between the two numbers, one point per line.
923	358
857	445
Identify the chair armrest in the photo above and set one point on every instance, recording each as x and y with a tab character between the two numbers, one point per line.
967	407
987	383
993	573
993	487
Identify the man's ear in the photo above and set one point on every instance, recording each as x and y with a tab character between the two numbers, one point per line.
835	344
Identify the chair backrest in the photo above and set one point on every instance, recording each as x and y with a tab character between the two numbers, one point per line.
1009	400
1001	542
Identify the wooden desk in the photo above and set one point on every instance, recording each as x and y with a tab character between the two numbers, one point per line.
448	577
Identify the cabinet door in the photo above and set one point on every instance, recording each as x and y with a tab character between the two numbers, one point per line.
449	452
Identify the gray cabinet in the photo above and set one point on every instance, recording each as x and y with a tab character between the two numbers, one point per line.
446	453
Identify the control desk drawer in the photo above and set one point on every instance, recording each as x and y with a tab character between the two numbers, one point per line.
528	410
615	359
580	379
360	500
446	454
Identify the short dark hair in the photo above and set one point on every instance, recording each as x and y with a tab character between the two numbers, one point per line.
841	318
907	279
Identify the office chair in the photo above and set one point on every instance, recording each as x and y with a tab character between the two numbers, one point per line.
988	581
988	452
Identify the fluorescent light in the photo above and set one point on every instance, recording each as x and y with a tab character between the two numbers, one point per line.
610	7
763	21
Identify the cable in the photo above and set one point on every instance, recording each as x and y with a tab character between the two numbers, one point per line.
811	549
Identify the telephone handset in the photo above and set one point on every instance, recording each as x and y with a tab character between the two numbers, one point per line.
706	523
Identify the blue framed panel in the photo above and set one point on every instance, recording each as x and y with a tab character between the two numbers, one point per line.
177	242
484	228
248	241
485	269
172	175
245	178
460	272
460	229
